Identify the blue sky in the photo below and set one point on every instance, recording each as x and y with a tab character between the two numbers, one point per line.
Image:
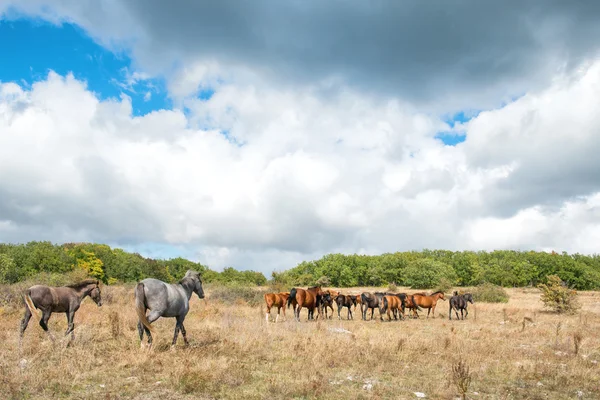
30	48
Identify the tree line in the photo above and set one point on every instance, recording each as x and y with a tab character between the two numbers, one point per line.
417	269
19	262
439	268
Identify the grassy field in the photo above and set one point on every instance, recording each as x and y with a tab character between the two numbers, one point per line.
513	351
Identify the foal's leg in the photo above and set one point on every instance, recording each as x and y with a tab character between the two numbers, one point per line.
44	323
71	327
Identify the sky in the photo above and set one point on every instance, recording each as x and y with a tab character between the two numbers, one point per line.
260	134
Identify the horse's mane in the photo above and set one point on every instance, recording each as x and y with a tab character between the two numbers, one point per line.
83	283
439	291
315	287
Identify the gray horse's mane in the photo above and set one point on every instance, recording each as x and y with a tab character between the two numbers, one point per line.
190	274
83	283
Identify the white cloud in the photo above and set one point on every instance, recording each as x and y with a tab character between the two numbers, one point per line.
299	172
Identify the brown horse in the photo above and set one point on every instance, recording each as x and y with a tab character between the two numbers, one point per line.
309	298
429	302
278	300
390	304
409	303
51	299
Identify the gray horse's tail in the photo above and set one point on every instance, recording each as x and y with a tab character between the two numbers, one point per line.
140	306
30	305
292	297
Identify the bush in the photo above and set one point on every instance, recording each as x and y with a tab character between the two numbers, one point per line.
323	281
235	293
490	293
558	297
392	287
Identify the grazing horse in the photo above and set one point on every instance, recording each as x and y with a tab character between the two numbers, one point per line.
346	301
390	303
65	299
460	302
278	300
371	301
309	298
429	302
165	300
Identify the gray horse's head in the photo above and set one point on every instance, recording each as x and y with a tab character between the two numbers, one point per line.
195	277
468	297
95	295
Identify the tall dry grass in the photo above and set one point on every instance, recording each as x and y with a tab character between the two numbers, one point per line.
235	354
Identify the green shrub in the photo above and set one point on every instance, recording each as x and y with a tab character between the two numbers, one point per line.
558	297
323	281
489	293
232	293
392	287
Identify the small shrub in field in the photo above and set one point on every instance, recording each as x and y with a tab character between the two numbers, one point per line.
392	287
558	297
490	293
323	281
234	293
461	376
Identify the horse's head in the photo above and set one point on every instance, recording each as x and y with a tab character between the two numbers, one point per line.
195	278
95	295
468	297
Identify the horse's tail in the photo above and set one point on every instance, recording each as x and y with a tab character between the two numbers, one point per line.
385	304
29	304
292	297
140	306
364	299
416	306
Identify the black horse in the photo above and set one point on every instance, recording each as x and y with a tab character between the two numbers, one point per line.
460	302
372	301
345	301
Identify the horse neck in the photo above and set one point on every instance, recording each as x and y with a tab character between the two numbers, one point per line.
188	287
83	291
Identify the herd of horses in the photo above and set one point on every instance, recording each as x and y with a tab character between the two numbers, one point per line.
390	304
154	298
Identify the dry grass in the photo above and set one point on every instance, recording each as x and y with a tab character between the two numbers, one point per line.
235	354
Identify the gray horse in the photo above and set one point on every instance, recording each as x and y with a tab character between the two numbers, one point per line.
51	299
165	300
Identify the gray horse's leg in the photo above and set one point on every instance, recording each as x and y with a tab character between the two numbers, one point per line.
153	316
180	328
141	329
24	322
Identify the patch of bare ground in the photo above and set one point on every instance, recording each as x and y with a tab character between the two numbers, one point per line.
508	351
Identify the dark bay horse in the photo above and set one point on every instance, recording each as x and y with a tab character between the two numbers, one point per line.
460	302
428	301
309	298
371	301
327	300
345	301
408	301
166	300
65	299
276	300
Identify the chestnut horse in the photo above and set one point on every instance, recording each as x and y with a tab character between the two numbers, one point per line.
278	300
424	301
391	303
309	298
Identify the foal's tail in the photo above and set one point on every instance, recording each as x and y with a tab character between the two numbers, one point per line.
292	297
30	305
140	306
